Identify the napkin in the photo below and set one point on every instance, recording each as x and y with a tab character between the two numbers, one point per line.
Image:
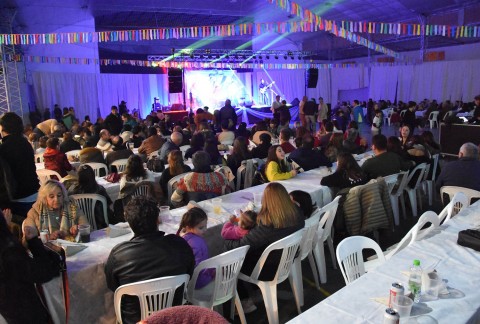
117	230
70	247
380	300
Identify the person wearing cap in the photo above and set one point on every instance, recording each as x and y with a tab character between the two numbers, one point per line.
123	108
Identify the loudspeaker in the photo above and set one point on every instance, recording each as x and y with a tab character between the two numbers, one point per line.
175	84
312	78
174	72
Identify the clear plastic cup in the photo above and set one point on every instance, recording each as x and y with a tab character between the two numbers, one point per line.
257	198
217	205
84	231
403	306
165	216
432	284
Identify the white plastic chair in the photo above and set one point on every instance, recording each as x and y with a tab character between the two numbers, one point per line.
86	202
97	167
430	183
350	258
172	184
416	232
458	202
433	118
391	181
39	158
387	116
143	188
74	153
154	294
121	165
289	247
44	175
184	148
324	234
306	246
452	190
396	197
224	288
413	192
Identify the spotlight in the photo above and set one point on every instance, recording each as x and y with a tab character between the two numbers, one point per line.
254	57
267	57
285	57
292	57
276	57
299	57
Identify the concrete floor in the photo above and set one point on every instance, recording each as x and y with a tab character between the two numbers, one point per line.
286	302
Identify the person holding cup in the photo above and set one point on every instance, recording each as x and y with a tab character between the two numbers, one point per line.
55	212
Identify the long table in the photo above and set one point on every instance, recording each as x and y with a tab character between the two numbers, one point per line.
440	251
90	299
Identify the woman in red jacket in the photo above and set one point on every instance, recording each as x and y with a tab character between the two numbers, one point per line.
54	159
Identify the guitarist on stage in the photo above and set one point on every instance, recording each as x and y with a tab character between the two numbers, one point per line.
263	91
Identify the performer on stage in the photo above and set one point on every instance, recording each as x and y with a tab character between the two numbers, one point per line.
263	88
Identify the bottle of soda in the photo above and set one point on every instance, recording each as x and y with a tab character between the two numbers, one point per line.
415	280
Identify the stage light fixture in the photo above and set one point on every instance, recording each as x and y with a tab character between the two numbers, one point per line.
267	57
276	57
292	57
299	57
285	57
254	57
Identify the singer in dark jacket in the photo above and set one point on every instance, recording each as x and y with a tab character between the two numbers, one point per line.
149	254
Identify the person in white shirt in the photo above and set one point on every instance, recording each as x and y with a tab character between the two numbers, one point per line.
377	123
301	111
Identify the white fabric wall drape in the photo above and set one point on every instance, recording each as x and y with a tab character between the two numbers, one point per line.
348	79
383	82
77	90
289	84
90	92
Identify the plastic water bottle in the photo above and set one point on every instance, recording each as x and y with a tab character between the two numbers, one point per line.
415	280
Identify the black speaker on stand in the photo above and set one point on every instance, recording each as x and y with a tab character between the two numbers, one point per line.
312	78
175	80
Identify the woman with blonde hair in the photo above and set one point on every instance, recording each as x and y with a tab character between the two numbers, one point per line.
55	212
278	218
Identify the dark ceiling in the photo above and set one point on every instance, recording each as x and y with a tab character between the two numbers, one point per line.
43	16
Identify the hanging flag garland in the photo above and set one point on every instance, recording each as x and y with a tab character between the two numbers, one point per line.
191	65
310	23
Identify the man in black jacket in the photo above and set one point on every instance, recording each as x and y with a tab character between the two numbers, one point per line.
149	254
308	158
228	115
113	122
18	154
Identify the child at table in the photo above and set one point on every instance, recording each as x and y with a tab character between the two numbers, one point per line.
245	223
192	228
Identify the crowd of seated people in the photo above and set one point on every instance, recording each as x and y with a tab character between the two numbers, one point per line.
107	140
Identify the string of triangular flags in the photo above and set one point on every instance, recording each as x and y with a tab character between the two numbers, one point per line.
190	65
410	29
310	23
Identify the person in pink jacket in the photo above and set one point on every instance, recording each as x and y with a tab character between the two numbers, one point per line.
245	223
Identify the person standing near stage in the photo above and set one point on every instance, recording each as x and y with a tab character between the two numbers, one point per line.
322	112
228	115
301	111
275	105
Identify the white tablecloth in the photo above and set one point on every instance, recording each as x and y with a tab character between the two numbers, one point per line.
440	251
90	299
